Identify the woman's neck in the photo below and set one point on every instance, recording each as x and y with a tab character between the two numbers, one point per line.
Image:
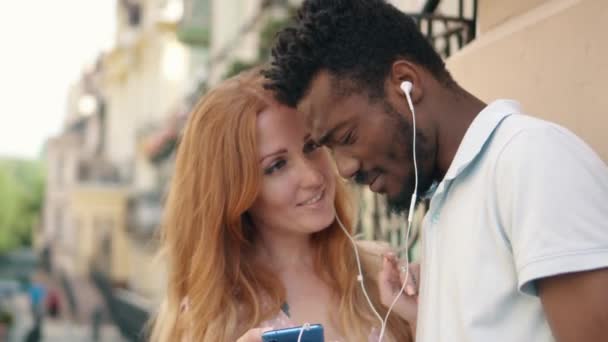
285	251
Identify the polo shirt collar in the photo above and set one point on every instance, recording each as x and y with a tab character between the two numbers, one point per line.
478	134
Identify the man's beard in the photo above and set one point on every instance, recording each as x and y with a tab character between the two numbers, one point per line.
400	203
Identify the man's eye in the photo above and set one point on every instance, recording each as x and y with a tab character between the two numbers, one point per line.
348	138
279	164
311	146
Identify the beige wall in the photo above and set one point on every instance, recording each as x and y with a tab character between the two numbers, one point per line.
553	59
495	12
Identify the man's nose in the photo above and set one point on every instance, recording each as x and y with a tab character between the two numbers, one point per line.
347	165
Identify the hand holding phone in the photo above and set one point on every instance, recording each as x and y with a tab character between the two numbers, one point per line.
253	335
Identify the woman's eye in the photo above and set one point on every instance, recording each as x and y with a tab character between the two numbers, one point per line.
279	164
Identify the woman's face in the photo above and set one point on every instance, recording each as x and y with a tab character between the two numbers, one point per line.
298	178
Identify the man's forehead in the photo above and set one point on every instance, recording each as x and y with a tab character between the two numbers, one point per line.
317	103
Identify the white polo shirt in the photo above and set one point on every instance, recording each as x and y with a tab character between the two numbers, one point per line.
523	199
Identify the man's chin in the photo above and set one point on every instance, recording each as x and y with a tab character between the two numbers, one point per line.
399	204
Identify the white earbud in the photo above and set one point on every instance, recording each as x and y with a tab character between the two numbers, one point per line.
406	86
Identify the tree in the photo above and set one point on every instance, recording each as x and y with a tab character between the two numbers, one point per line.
21	196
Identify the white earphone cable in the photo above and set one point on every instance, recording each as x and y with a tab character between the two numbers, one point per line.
305	326
384	321
360	270
410	215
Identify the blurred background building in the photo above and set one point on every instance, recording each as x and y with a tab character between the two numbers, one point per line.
107	172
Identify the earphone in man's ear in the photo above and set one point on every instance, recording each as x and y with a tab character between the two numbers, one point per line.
407	86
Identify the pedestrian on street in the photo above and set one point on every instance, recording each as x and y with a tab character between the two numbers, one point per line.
53	304
37	293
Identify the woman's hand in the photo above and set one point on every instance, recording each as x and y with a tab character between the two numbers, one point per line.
390	281
253	335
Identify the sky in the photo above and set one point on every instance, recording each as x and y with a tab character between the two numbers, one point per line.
44	46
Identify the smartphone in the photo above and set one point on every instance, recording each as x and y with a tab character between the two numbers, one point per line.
314	333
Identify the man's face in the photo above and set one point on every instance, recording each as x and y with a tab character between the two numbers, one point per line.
371	140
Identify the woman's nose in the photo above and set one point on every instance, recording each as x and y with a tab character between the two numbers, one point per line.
312	175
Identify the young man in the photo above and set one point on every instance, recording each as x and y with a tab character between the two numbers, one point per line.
515	243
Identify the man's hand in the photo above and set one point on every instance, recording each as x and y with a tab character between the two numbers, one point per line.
576	305
390	282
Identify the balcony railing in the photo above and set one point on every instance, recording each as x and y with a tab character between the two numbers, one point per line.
127	314
448	34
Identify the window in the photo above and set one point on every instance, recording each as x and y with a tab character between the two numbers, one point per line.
133	10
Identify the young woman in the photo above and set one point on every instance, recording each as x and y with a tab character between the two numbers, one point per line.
251	231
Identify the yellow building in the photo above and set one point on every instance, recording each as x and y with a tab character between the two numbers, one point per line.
103	204
99	212
86	200
147	76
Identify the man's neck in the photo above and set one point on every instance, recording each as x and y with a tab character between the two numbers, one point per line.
455	112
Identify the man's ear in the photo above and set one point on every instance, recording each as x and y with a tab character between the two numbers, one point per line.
403	70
